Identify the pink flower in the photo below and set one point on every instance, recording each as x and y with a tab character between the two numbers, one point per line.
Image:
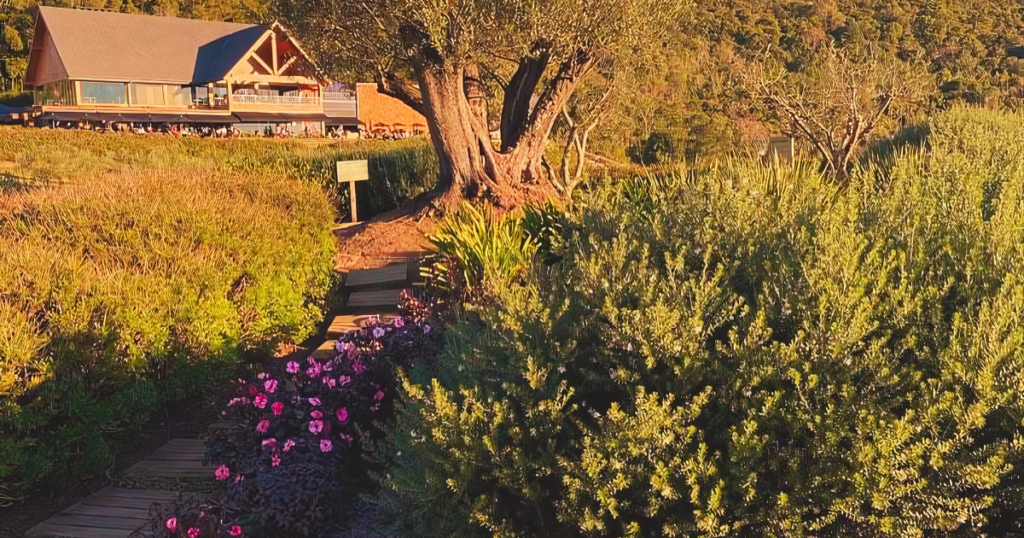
377	332
316	426
316	414
253	390
328	366
314	402
330	382
239	478
270	385
426	329
379	396
358	367
275	460
172	524
260	401
292	367
325	445
342	414
193	532
271	443
222	472
236	531
263	426
288	445
344	380
346	438
277	407
313	371
399	323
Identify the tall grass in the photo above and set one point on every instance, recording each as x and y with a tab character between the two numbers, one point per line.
398	170
121	291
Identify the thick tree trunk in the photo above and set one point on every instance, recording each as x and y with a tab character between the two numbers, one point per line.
453	101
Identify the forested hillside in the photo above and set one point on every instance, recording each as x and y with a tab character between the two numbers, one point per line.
693	104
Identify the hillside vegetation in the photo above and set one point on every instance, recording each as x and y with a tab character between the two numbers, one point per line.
740	350
398	170
124	291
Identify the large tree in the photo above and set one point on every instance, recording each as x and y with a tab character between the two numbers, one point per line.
448	58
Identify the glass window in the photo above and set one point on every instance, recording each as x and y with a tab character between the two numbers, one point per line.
181	96
148	94
103	92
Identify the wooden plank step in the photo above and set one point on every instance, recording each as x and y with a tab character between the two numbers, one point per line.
388	298
346	324
388	274
179	458
109	513
131	493
325	351
73	531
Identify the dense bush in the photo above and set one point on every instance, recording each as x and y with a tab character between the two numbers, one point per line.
128	291
398	170
299	432
745	351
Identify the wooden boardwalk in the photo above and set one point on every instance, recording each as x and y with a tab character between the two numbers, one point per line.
179	458
115	512
370	293
111	512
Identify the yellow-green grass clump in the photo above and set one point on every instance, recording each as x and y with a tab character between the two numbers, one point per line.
120	291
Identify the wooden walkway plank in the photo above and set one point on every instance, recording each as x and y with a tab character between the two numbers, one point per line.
346	324
111	512
388	274
388	298
75	531
325	351
179	458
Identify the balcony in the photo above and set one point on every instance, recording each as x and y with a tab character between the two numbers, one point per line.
340	104
275	103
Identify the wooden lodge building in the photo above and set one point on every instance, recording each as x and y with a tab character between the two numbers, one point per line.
102	66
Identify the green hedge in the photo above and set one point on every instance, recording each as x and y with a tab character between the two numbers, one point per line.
398	170
129	290
745	351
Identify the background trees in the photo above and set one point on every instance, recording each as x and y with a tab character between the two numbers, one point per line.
438	57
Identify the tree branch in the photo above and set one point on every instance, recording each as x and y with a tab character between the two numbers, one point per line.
403	90
515	110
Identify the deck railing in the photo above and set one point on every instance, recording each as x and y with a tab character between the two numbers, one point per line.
272	102
341	104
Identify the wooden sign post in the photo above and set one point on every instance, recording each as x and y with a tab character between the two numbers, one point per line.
352	171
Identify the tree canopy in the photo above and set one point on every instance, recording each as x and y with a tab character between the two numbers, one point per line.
447	59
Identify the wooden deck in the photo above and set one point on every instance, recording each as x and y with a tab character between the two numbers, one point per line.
346	324
179	458
389	274
377	298
114	512
111	512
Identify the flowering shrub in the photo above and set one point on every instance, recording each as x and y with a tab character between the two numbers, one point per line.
294	427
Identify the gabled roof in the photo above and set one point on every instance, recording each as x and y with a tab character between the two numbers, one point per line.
102	45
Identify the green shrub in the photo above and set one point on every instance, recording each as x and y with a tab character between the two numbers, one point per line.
134	289
398	170
744	351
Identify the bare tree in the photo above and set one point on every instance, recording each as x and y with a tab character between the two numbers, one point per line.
838	103
433	55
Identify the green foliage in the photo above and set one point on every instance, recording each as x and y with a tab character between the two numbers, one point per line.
398	170
744	351
133	289
483	244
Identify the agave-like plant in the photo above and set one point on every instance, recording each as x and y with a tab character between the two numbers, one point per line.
482	245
